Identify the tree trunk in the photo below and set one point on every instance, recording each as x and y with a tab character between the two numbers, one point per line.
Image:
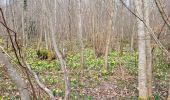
16	78
107	51
80	34
169	84
148	49
132	39
23	27
142	79
110	31
59	55
63	66
40	38
46	41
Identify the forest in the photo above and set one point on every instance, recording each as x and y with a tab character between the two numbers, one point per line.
84	50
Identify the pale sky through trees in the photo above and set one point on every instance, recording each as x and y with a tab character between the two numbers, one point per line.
3	1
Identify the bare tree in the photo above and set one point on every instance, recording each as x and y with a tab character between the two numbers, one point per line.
63	66
142	79
59	55
148	48
80	34
110	30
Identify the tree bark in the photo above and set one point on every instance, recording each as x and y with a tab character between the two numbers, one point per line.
132	40
16	78
110	31
40	84
80	34
63	67
61	60
142	79
23	26
148	49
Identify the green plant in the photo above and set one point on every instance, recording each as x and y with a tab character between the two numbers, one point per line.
58	92
73	60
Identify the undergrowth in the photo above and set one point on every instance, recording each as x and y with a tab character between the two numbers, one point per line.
94	73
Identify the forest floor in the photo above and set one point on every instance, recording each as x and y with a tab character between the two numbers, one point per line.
93	82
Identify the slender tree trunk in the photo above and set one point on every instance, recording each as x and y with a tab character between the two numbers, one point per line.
70	20
63	66
80	34
5	15
107	51
122	33
110	31
148	49
121	42
39	41
16	78
132	40
142	79
40	37
59	55
169	84
23	27
46	40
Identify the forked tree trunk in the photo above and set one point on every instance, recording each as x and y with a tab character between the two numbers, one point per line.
63	66
16	78
60	57
142	79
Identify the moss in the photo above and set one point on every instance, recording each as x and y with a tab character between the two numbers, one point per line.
51	55
45	54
